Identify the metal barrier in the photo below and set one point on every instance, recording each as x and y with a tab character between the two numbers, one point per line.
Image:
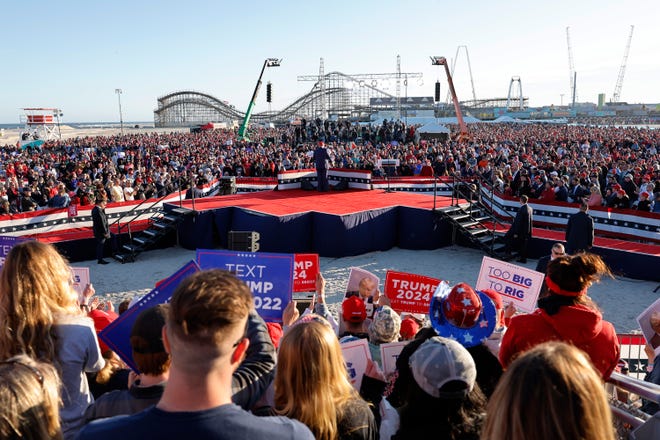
628	413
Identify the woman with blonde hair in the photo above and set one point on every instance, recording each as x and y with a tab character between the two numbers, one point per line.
29	399
312	385
551	392
41	318
568	314
595	196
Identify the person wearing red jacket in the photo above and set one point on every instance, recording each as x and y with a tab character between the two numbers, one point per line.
567	314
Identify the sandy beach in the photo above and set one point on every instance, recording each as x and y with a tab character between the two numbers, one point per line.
621	299
12	135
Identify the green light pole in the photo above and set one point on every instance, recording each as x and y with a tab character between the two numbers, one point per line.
242	131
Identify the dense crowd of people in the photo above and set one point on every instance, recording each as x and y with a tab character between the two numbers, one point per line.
618	167
208	366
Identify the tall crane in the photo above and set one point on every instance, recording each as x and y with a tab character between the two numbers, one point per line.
622	69
442	61
571	65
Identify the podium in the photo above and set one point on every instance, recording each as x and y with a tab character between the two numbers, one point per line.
389	166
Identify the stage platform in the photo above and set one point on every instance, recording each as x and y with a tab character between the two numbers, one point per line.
353	222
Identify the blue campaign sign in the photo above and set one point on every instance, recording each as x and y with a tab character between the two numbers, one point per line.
269	276
6	243
117	334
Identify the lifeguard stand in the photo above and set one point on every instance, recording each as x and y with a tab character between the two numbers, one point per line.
41	123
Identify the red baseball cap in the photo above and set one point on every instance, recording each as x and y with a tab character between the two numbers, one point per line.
353	309
409	328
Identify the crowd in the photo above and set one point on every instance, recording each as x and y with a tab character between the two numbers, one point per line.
209	367
618	167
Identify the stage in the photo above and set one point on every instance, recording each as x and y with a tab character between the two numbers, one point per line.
353	222
332	224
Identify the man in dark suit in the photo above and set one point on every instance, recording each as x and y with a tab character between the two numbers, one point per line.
557	251
520	231
100	227
542	265
321	159
580	231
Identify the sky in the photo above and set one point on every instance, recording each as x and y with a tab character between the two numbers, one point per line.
73	54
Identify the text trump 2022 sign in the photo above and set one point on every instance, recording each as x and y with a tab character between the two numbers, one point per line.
269	276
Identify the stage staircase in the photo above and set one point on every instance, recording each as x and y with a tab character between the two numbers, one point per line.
161	224
475	222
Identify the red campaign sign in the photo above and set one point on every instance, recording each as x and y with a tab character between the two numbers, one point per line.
409	292
73	211
306	266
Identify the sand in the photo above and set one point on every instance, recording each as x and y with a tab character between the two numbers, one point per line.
620	299
11	136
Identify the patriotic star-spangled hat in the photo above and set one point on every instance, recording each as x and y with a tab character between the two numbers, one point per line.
462	314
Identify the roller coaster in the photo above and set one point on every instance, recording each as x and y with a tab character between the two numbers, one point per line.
336	94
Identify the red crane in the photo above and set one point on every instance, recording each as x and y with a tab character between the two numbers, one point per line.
442	61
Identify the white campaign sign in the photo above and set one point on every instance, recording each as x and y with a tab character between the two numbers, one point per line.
389	353
80	280
356	353
515	283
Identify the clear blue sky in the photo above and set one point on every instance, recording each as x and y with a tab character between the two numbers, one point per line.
73	54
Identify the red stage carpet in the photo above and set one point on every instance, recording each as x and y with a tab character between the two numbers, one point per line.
290	202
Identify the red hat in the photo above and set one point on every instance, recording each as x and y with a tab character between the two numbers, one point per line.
275	332
353	309
621	192
495	297
463	306
644	194
409	328
101	320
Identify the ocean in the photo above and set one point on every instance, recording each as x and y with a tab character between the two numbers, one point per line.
142	124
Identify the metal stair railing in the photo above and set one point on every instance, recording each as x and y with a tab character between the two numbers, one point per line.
118	222
474	198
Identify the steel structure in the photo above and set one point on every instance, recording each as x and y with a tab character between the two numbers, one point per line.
453	67
622	70
333	94
515	94
571	66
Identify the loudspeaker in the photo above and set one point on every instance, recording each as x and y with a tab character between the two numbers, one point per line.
342	185
306	185
437	91
227	185
243	241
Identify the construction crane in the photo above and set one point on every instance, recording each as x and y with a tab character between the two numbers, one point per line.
571	66
442	61
622	69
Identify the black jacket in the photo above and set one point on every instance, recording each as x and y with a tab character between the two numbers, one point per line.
579	232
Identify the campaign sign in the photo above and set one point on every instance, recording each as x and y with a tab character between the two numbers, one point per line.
117	335
356	353
269	276
649	322
6	243
518	284
306	267
409	292
389	353
80	280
